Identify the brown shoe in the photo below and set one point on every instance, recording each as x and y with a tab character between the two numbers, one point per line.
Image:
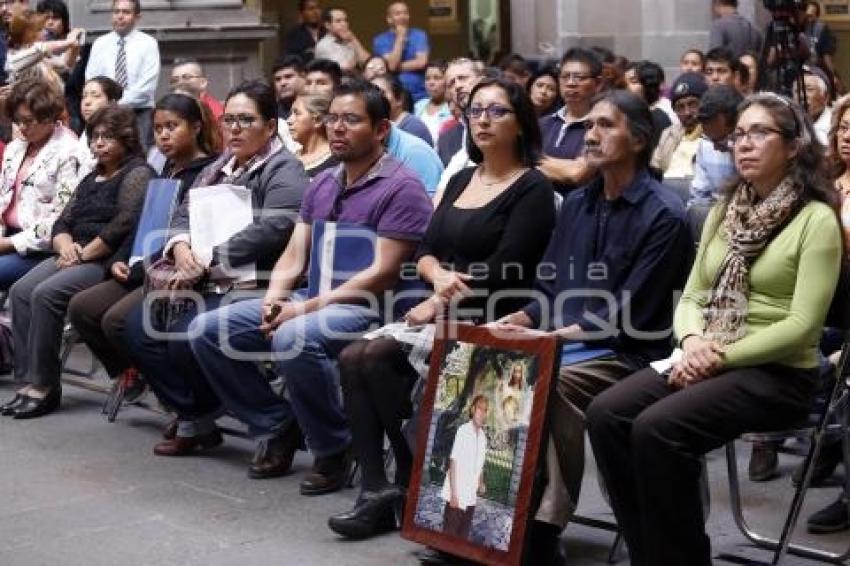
170	430
329	474
273	457
183	445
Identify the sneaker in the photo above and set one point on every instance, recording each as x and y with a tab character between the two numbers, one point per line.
831	519
764	462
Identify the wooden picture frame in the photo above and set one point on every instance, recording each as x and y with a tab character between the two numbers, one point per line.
513	372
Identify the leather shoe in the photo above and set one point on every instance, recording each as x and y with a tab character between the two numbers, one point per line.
329	474
32	408
170	430
8	409
764	462
185	445
273	457
373	514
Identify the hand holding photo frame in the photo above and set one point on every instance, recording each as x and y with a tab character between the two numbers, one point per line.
482	423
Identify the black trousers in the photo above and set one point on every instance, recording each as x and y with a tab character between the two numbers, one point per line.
648	439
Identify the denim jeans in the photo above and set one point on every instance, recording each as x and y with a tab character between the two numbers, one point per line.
169	365
14	266
228	346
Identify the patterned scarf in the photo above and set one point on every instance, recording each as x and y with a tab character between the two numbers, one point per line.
750	227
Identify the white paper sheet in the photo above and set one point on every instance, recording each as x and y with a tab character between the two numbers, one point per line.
216	213
663	366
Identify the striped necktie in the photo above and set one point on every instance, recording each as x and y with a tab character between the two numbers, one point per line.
121	64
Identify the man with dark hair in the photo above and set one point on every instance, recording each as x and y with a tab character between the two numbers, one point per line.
305	332
822	42
301	39
722	67
516	69
732	30
288	80
405	50
187	75
322	76
131	58
563	132
713	164
619	252
340	44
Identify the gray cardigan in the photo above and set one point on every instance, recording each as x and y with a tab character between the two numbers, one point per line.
277	187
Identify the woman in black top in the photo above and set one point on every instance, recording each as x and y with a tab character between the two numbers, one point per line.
102	211
488	234
190	142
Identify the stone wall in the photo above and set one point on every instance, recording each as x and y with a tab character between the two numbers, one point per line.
639	29
234	39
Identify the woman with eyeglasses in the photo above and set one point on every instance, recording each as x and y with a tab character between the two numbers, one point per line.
40	171
748	327
498	213
190	140
254	158
101	213
306	126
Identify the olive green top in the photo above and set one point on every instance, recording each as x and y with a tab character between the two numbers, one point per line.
791	288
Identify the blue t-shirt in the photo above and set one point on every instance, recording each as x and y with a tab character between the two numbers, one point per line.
417	42
417	156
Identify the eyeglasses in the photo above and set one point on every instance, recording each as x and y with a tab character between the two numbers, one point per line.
493	112
244	121
348	119
756	134
183	78
842	129
575	77
26	122
105	136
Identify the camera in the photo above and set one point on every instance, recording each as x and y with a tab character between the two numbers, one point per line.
784	5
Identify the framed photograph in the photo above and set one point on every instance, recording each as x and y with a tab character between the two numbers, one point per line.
482	422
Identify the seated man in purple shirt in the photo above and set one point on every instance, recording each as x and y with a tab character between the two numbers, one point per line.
563	132
302	335
405	49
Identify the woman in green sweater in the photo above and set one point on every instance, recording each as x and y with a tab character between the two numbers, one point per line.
748	326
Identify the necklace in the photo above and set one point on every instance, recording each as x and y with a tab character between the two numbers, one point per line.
509	177
315	160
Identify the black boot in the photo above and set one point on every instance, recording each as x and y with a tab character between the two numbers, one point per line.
373	514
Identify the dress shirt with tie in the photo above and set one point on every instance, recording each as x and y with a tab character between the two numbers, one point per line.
142	64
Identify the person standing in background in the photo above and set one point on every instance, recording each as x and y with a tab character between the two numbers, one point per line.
131	58
301	40
405	49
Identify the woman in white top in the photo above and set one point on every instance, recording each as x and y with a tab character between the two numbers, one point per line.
39	173
434	110
97	93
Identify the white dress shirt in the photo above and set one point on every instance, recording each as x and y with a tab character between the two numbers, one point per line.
142	52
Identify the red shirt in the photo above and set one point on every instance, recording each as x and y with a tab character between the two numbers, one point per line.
213	104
